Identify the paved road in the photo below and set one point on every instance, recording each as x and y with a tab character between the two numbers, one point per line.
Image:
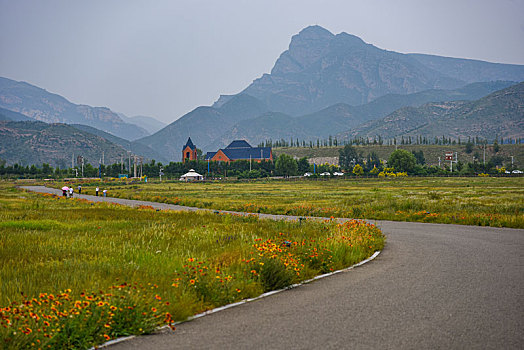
433	286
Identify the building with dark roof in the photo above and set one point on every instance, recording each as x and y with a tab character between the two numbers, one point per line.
240	150
189	151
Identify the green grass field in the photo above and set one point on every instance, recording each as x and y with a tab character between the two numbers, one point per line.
75	273
484	201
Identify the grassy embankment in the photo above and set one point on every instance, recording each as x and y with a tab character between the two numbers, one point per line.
76	273
482	201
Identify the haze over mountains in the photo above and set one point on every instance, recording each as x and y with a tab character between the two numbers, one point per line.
324	84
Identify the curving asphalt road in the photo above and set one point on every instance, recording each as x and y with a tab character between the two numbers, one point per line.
433	286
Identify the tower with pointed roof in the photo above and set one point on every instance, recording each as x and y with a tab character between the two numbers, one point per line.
189	151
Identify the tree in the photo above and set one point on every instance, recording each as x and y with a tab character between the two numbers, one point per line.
496	147
373	161
419	156
469	147
348	157
303	165
402	160
286	165
357	170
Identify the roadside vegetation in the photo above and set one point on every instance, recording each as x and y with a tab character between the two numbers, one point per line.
75	274
481	201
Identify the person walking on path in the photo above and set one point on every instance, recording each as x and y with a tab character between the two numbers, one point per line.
79	189
71	192
64	192
96	191
105	192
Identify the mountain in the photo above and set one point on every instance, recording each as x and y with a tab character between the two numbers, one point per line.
35	142
334	119
500	114
203	124
6	114
321	69
133	146
331	83
387	104
471	70
150	124
42	105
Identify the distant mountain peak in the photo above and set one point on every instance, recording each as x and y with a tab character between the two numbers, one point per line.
350	39
314	32
305	49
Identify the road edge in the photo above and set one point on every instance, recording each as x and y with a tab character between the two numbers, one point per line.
244	301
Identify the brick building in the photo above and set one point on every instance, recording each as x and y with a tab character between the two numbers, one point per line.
240	150
189	151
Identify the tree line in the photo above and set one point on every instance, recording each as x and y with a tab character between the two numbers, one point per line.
332	141
349	157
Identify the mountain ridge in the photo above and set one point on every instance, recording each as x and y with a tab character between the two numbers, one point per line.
36	142
42	105
499	114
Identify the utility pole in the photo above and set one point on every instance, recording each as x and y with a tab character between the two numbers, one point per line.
511	162
134	165
129	156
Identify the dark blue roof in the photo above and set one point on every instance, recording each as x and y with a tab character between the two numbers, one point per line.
189	143
248	153
239	144
210	155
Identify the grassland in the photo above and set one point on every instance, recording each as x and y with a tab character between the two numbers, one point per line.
483	201
76	273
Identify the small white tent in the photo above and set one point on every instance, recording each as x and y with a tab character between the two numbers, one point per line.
191	176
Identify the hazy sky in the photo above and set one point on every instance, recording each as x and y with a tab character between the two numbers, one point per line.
164	58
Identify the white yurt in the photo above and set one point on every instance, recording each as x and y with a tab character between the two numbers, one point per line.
192	175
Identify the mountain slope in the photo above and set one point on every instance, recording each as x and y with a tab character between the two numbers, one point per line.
38	142
8	115
471	70
42	105
150	124
498	114
133	146
339	117
203	124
